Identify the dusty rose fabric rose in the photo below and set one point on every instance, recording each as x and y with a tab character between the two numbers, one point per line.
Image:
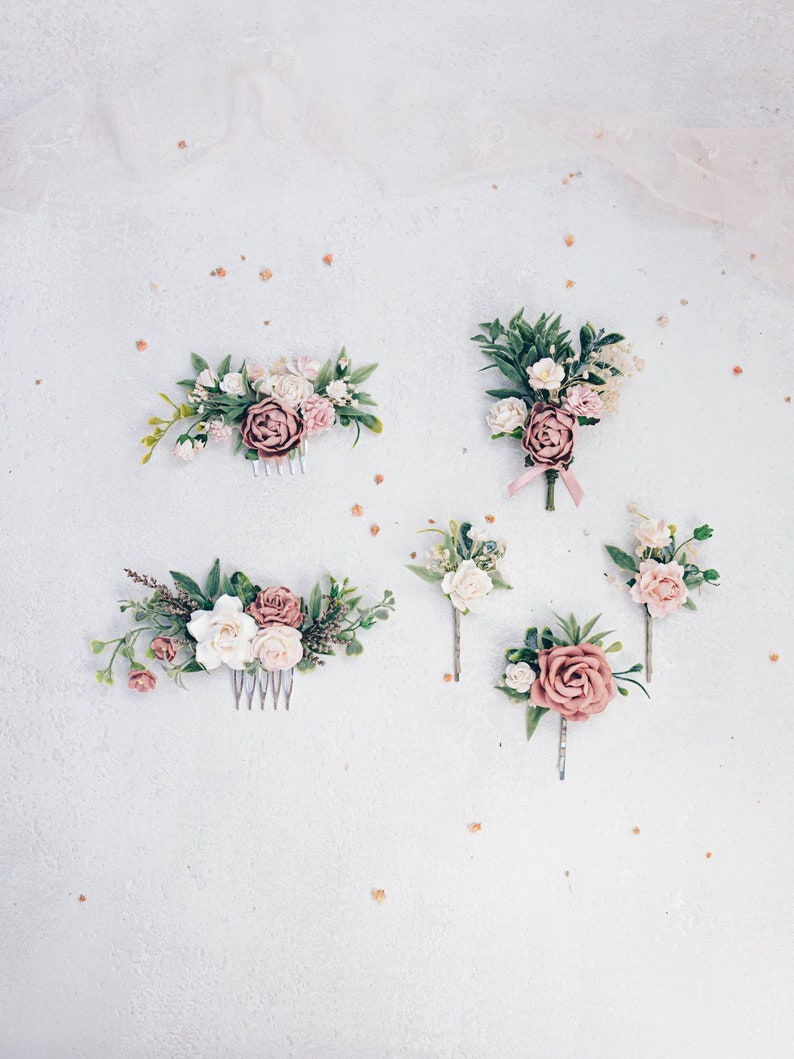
141	680
575	681
660	586
550	435
276	606
271	428
164	648
318	413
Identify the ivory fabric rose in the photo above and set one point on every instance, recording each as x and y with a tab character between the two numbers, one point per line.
575	681
660	586
276	606
223	634
507	415
232	382
550	435
207	378
652	533
271	428
467	586
290	388
519	676
278	647
318	413
141	680
583	401
164	648
308	367
546	374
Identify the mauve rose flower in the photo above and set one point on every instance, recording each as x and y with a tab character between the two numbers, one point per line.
660	586
550	435
318	413
271	428
276	606
575	681
141	680
583	401
164	648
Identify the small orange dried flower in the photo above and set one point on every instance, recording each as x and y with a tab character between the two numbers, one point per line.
379	896
38	383
357	510
753	257
266	274
432	521
447	678
378	479
374	530
787	400
181	145
413	555
475	827
570	283
737	370
709	855
82	897
636	831
140	345
328	258
218	272
774	657
570	239
242	257
490	518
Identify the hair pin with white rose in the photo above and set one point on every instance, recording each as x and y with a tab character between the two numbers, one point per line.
663	575
467	563
568	673
261	634
268	415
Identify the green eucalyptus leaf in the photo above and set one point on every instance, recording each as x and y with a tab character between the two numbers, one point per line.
199	363
431	576
315	603
622	559
213	580
97	647
534	714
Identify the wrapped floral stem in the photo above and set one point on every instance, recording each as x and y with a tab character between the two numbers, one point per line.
551	478
467	564
567	672
662	574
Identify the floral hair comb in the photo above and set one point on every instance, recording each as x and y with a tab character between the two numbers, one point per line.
261	634
553	392
467	563
270	414
663	575
569	674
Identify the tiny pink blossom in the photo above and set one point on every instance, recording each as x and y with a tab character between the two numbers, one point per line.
141	680
308	367
187	447
164	648
583	401
254	371
318	413
219	430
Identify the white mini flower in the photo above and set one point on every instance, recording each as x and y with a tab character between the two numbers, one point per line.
507	415
519	676
289	388
467	587
208	378
652	533
232	382
547	374
337	391
479	535
223	634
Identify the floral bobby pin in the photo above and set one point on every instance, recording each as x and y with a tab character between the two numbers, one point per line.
270	415
466	564
261	634
552	392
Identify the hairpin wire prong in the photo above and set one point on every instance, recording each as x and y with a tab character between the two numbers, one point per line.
563	745
303	452
255	465
267	468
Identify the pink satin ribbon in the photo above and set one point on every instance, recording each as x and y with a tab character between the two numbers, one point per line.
571	482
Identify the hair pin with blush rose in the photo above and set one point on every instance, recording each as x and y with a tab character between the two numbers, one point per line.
663	575
553	391
268	414
567	673
261	634
467	563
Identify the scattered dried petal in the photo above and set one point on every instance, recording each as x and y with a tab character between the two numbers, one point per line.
475	827
379	895
266	274
570	283
432	521
266	323
753	257
378	479
684	301
737	370
328	258
663	321
413	555
221	272
82	897
570	239
787	400
447	678
774	657
495	187
565	180
140	345
636	831
374	530
709	855
181	145
154	286
38	382
357	510
242	257
490	518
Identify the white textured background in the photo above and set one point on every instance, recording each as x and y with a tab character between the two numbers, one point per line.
228	859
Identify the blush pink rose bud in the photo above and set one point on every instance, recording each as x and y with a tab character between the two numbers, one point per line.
550	435
660	586
164	648
575	681
141	680
219	431
271	428
318	413
583	401
276	606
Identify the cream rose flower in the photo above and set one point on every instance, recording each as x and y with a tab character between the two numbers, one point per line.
519	676
507	415
289	388
467	587
660	586
207	378
223	634
338	392
308	367
653	533
547	374
278	647
232	382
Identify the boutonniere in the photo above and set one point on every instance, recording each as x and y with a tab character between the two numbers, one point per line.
568	673
261	634
553	391
467	564
663	574
269	415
